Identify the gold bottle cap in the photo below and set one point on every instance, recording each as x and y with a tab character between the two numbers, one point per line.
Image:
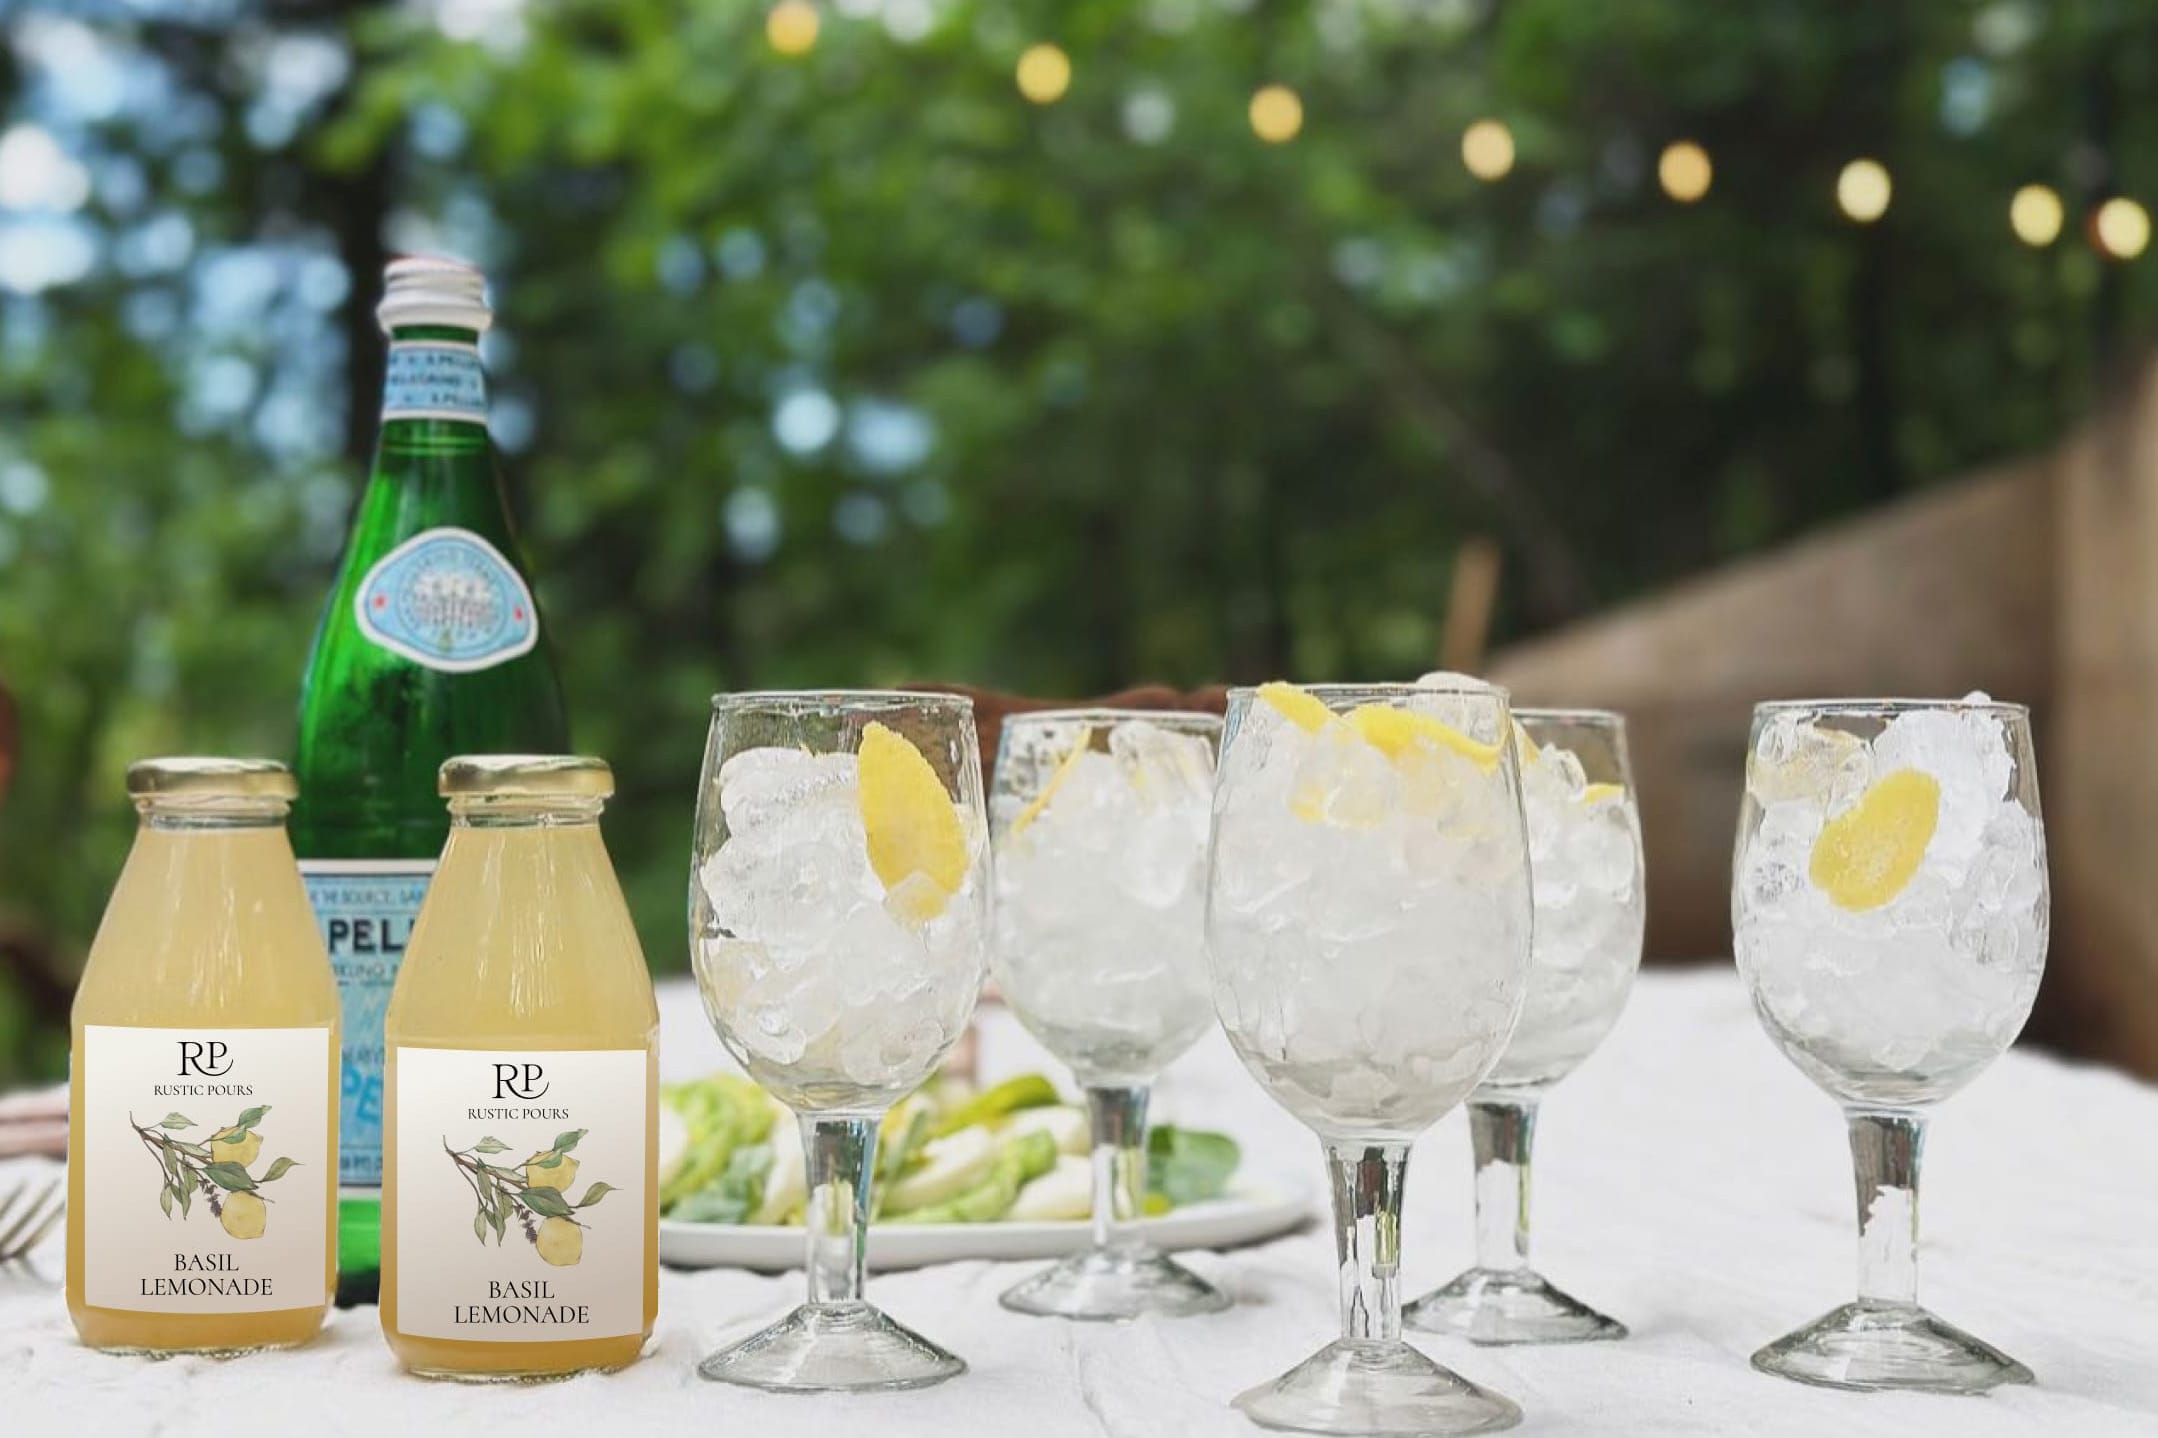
203	777
535	775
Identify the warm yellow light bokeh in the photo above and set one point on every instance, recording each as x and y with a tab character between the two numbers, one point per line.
1684	171
2035	214
1863	190
1276	114
792	27
2122	228
1487	148
1044	74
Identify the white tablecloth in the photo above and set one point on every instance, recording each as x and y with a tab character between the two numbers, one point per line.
1689	1181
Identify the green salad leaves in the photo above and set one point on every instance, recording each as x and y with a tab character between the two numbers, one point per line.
949	1153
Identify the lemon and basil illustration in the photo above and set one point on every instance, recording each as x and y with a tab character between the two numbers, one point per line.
217	1171
533	1194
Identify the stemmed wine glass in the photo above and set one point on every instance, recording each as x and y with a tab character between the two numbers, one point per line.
1585	855
838	922
1889	902
1368	921
1100	820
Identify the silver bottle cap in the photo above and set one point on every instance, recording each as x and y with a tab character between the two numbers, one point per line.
433	290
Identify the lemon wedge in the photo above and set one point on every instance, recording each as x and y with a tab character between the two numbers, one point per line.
1305	710
1865	855
1057	780
1597	793
1395	732
912	825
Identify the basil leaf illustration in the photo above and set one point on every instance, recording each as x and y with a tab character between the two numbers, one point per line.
564	1142
176	1120
499	1219
594	1194
490	1145
479	1227
548	1201
278	1169
192	1150
164	1199
229	1176
551	1159
250	1117
187	1199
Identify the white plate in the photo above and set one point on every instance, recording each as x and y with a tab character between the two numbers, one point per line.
1246	1215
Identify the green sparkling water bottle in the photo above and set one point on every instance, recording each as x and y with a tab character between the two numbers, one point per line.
430	646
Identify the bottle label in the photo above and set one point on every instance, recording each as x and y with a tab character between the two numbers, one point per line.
434	379
366	908
521	1201
207	1165
448	600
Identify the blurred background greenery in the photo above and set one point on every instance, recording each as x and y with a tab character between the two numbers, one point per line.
864	340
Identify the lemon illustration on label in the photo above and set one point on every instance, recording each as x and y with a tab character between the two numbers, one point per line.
534	1195
917	845
550	1170
217	1172
245	1215
560	1242
242	1150
1867	854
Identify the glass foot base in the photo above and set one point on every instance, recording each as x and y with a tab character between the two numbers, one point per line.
1364	1386
832	1348
1489	1305
1889	1345
1108	1284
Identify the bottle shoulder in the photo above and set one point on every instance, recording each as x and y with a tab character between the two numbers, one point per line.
524	932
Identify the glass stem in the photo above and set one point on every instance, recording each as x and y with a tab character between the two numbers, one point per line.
1367	1180
841	1153
1885	1152
1119	1122
1500	1133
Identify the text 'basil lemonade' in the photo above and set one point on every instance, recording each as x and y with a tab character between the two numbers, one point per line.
520	1233
431	645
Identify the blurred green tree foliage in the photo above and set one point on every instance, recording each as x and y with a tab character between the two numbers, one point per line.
854	365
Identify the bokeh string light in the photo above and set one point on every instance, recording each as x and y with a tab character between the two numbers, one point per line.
1863	190
1487	148
2121	228
2036	214
1684	171
1276	114
1044	74
791	27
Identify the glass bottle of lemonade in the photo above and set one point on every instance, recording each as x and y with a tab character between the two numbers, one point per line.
520	1213
430	645
202	1134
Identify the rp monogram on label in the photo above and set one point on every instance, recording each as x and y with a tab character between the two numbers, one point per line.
527	1081
204	1058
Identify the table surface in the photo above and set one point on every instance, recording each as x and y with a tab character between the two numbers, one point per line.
1689	1181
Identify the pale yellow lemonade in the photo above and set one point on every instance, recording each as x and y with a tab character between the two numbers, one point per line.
202	1142
522	1074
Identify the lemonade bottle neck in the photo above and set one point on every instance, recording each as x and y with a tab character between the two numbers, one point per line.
523	811
186	815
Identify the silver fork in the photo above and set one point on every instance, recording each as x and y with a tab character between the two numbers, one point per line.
27	1213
